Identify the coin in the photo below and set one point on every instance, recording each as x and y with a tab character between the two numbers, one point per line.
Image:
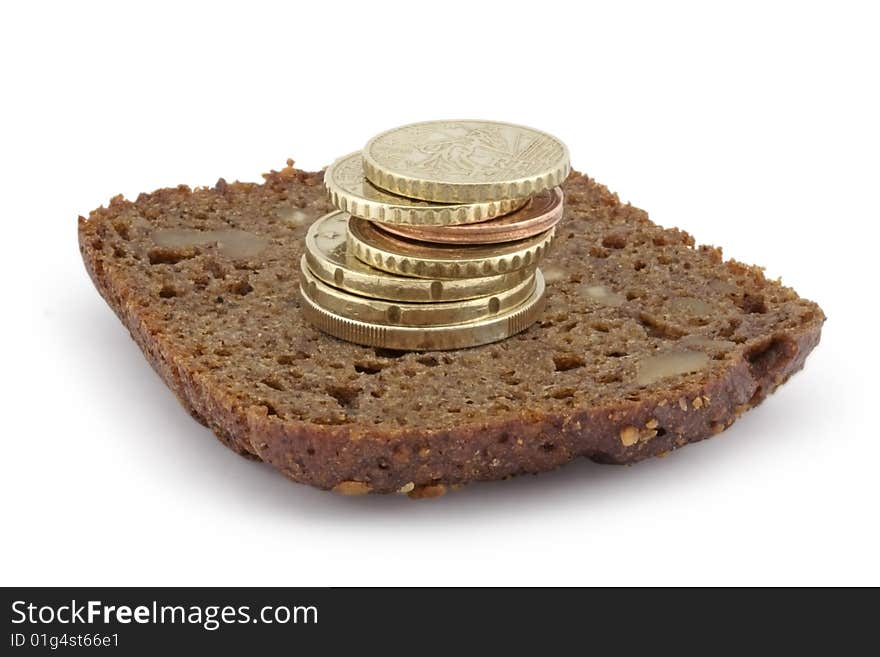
541	213
350	191
399	255
458	336
328	259
465	161
365	309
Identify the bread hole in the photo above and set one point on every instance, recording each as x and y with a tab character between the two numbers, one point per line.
612	377
657	328
428	361
270	410
639	265
566	362
241	287
223	352
728	330
368	367
273	383
290	359
345	396
377	393
614	241
768	359
602	327
598	252
97	245
615	353
168	292
382	352
118	252
166	256
382	463
566	328
752	303
122	229
510	378
660	432
310	451
548	447
218	299
503	438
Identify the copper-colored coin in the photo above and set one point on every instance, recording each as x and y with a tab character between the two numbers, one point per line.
540	214
399	255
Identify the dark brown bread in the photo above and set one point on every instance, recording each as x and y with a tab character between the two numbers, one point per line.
647	343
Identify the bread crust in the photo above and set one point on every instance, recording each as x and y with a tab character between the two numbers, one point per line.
356	458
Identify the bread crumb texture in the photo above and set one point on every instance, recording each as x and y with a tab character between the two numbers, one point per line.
648	342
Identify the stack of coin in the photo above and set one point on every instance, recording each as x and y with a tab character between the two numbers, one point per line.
438	233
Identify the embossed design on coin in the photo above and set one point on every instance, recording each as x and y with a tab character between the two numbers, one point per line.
541	213
350	191
387	252
465	161
328	259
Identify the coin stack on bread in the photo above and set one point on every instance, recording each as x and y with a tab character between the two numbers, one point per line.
437	236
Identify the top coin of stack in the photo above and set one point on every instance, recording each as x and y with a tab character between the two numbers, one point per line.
438	233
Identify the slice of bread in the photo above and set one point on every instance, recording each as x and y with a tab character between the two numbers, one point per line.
647	343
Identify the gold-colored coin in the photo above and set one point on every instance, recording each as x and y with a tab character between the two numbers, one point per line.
328	259
465	161
377	311
398	255
458	336
350	191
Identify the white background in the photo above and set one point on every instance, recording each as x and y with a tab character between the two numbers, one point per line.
754	127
